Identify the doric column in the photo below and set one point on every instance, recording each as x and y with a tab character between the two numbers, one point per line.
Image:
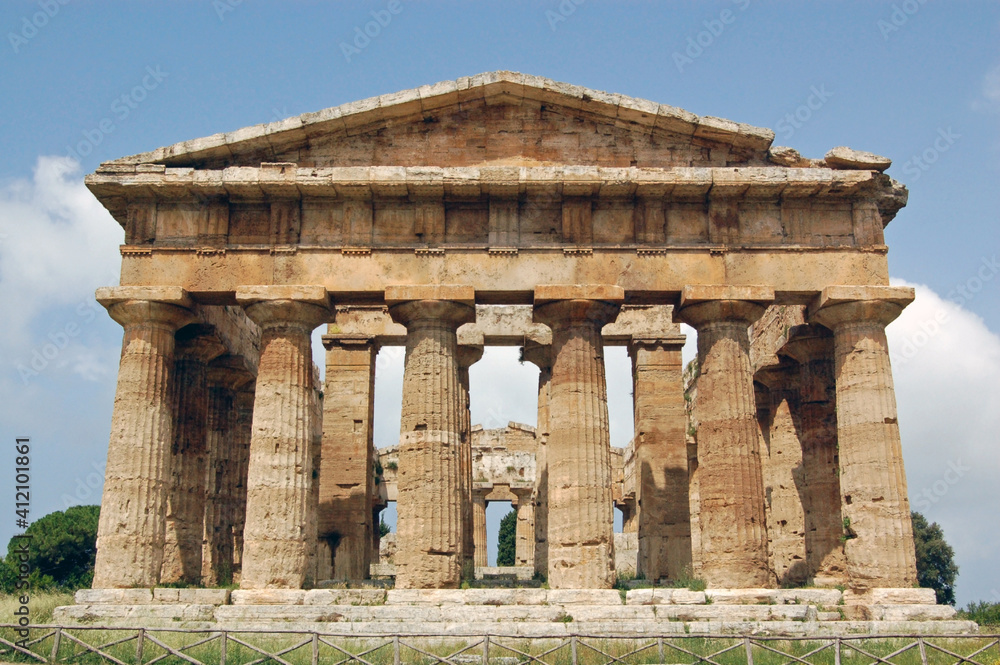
481	556
784	475
131	531
276	543
663	518
524	546
468	355
731	491
812	347
541	357
241	463
346	466
879	547
429	485
581	528
185	523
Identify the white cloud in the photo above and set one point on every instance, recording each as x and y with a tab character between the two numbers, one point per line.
990	91
946	366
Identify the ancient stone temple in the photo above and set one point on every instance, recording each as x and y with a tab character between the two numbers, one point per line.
503	209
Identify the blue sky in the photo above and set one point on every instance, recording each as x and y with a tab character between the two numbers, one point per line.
916	81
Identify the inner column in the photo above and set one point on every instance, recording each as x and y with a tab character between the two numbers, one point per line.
429	522
541	356
468	355
578	459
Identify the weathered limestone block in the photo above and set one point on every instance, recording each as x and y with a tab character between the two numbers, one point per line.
664	597
268	596
344	515
663	514
578	462
191	596
742	596
429	485
812	347
185	517
524	546
890	596
99	596
277	547
733	530
843	157
130	535
879	547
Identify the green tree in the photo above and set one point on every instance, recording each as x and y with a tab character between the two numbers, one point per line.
383	528
508	539
62	550
936	567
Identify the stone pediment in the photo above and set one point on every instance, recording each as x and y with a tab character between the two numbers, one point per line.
498	118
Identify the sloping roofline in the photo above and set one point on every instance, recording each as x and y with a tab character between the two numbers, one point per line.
501	87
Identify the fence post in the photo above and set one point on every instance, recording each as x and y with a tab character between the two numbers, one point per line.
54	655
749	647
659	648
223	644
572	649
315	648
395	650
836	651
486	650
140	642
923	651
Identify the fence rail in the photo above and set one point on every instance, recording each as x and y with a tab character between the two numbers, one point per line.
53	645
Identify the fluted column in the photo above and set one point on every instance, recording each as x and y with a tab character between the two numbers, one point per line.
879	546
541	357
276	544
663	517
524	546
812	347
131	531
242	434
429	484
185	523
468	355
480	554
731	491
581	513
784	474
225	375
346	468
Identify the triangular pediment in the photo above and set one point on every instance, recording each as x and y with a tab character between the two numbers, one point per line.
493	118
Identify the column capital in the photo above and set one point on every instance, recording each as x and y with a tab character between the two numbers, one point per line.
231	372
271	306
469	355
705	304
350	341
561	304
654	342
167	306
807	342
198	342
779	376
539	355
449	311
839	305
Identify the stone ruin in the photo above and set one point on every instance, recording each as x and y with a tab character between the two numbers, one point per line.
503	209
